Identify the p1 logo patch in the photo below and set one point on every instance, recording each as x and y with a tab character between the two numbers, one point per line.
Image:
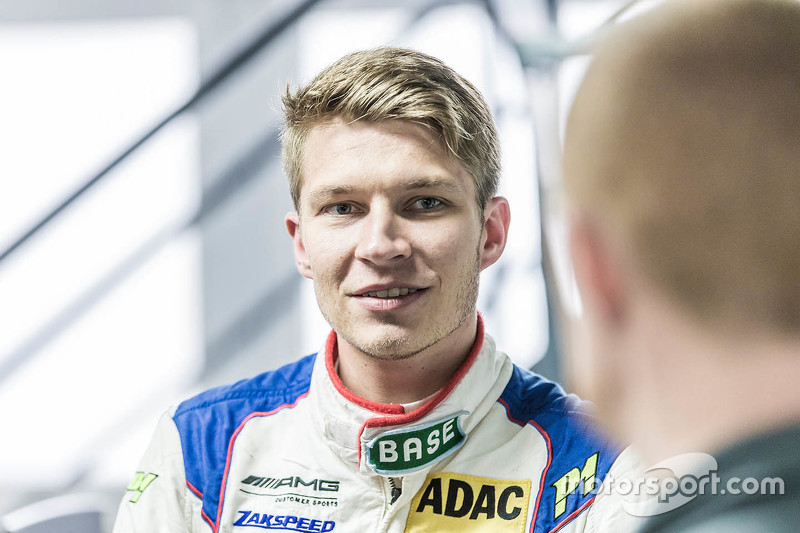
453	503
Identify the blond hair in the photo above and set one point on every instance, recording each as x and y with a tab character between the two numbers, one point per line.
396	84
685	141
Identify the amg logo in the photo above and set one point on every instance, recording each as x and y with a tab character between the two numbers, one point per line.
291	482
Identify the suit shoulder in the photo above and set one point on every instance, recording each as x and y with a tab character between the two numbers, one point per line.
528	394
259	393
208	423
577	451
532	399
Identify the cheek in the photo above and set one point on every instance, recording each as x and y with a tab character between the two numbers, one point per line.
450	243
327	255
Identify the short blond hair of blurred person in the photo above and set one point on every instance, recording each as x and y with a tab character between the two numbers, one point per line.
682	182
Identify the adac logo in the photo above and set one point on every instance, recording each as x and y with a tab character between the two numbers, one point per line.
406	450
451	503
283	522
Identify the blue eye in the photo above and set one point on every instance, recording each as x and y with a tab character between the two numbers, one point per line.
340	209
428	203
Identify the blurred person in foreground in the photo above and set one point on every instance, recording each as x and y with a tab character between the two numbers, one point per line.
682	174
409	419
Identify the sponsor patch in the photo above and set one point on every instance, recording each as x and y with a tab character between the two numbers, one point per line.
140	482
283	522
312	492
453	503
585	477
400	451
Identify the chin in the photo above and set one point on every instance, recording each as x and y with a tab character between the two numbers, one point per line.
390	342
388	347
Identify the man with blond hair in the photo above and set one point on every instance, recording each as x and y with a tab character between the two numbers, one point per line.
682	172
409	419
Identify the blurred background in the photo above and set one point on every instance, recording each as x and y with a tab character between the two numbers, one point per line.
143	252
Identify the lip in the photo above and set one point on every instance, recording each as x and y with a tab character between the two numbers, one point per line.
388	304
385	287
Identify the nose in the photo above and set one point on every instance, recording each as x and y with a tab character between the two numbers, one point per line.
382	241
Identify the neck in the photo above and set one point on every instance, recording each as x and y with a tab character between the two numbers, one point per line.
407	380
700	392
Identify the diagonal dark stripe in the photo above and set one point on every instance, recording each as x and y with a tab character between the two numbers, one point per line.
245	170
210	85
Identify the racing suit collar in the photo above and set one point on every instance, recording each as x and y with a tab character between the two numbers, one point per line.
351	425
397	413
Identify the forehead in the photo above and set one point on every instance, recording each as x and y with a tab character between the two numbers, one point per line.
393	155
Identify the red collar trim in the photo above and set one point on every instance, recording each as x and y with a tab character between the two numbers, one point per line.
331	353
398	414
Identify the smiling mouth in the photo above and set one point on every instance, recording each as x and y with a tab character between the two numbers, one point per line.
390	293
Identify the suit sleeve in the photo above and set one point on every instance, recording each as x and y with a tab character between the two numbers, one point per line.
607	514
158	499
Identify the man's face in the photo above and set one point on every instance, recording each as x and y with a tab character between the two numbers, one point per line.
390	232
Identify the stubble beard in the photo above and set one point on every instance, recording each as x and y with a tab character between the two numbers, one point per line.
398	348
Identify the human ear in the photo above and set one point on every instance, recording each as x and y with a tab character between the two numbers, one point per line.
597	274
497	217
292	221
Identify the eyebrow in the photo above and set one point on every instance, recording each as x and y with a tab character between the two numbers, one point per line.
324	193
329	191
432	182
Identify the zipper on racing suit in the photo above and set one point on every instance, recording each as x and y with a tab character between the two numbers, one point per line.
392	489
395	489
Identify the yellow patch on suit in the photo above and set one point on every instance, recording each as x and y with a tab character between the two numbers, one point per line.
458	503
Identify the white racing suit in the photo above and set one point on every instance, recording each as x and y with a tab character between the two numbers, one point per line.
499	449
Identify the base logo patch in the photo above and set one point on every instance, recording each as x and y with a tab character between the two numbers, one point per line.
453	503
401	451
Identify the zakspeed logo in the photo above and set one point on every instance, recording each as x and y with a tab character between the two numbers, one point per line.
284	522
406	450
454	502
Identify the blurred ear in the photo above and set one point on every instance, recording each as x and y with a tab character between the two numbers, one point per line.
597	274
292	221
497	217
